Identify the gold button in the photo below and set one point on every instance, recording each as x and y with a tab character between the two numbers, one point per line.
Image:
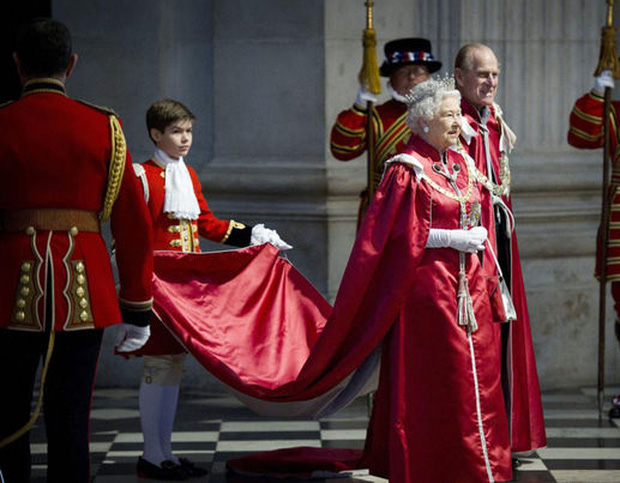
80	291
25	291
81	279
20	316
79	267
26	266
83	303
21	303
73	230
83	316
24	279
30	231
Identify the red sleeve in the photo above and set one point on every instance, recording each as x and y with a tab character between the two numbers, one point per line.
130	223
586	123
348	136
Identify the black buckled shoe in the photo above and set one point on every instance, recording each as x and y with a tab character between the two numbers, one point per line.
191	469
169	471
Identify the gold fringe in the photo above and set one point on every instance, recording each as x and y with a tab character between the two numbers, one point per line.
608	57
369	73
117	166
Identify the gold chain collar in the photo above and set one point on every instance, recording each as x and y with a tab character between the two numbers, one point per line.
503	188
451	194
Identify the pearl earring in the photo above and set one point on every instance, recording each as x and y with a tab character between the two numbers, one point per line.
426	129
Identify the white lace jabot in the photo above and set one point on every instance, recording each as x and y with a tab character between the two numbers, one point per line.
180	199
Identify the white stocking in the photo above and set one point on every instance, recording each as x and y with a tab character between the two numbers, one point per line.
159	391
151	401
169	410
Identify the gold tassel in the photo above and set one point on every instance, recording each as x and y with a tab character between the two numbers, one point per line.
369	73
608	57
466	314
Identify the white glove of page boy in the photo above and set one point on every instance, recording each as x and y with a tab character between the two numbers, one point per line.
261	235
131	337
606	79
469	241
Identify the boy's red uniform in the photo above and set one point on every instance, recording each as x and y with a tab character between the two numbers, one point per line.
180	235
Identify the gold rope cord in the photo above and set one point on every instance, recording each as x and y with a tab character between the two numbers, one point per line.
35	414
117	166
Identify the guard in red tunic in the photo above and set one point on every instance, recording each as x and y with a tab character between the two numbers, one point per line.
586	132
180	216
64	169
407	62
488	140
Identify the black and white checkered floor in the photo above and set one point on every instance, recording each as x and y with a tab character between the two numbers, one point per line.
211	429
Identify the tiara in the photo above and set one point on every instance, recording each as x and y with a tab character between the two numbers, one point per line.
429	88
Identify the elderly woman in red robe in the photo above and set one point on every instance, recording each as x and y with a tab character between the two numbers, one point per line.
439	394
414	286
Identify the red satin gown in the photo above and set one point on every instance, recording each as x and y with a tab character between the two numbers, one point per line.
439	412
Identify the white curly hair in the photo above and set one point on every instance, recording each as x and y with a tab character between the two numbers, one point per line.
423	100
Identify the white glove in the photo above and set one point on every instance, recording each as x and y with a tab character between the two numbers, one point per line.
469	241
131	337
261	235
606	79
363	96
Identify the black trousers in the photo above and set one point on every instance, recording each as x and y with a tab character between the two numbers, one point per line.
66	404
504	254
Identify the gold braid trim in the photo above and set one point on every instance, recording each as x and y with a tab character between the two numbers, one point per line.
117	166
233	225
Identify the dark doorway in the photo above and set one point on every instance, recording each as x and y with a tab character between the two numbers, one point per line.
13	15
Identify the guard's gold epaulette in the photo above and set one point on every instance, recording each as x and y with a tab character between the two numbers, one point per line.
104	109
6	103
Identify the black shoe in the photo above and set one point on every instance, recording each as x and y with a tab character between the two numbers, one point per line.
191	469
169	471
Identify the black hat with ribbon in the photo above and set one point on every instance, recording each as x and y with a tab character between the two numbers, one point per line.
415	51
